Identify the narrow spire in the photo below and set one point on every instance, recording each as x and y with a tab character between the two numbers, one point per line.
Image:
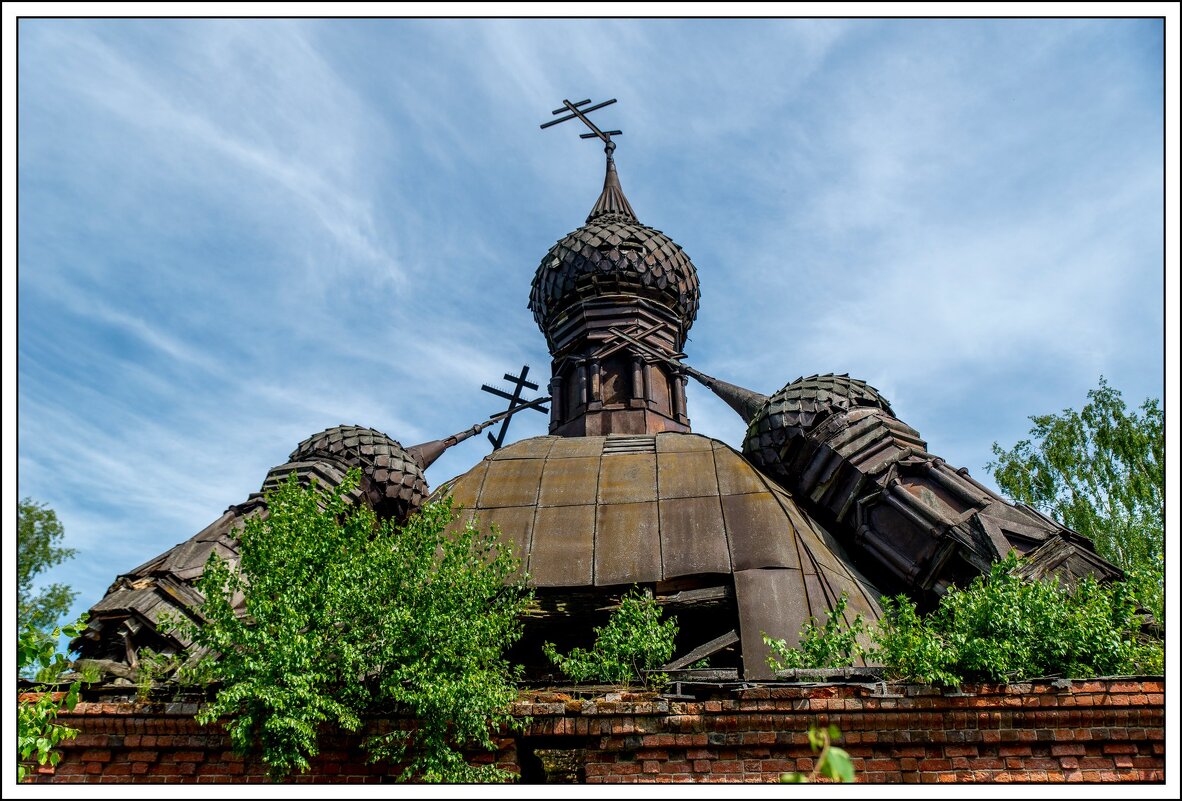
611	200
744	401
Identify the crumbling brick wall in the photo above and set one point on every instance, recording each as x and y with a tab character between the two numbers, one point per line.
1057	731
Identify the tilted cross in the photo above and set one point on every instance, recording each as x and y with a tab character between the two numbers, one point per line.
576	110
515	402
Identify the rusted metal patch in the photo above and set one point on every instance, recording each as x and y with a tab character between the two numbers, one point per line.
563	549
532	448
693	537
571	447
511	482
516	524
773	602
628	478
627	543
760	534
570	482
670	442
686	475
735	475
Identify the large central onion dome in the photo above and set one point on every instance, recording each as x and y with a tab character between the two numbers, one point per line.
614	254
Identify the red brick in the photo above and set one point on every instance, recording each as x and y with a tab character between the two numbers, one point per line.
910	751
960	750
96	755
929	765
1119	748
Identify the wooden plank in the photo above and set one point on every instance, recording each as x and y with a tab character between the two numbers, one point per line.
704	650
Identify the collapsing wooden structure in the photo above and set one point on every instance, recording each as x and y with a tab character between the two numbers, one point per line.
831	494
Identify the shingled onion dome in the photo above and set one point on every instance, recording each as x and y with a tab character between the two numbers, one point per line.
391	476
613	253
797	409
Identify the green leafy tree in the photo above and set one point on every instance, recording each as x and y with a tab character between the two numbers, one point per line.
345	618
38	733
1099	471
635	640
38	534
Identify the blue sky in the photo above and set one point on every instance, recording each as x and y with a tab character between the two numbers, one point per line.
234	234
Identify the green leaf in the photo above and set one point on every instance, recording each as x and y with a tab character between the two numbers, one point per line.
836	765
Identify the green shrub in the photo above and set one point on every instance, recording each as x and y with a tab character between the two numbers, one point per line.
633	641
1002	628
346	618
834	645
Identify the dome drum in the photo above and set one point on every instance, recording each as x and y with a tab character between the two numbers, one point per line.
603	386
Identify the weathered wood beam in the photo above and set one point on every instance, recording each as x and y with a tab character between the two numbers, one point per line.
703	651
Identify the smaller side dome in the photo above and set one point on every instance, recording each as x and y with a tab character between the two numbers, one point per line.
392	478
798	408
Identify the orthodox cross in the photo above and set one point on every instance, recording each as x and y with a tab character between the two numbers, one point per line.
576	110
516	402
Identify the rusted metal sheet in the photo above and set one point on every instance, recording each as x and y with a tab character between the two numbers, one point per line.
693	537
532	448
465	489
771	601
686	475
562	553
759	532
628	478
678	443
572	447
516	524
570	482
735	474
511	482
627	543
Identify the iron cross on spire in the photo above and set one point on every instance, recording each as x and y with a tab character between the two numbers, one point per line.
576	110
516	402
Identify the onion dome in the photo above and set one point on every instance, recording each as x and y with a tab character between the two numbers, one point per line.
391	476
613	253
799	408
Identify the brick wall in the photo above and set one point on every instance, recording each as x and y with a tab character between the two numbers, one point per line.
1056	731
